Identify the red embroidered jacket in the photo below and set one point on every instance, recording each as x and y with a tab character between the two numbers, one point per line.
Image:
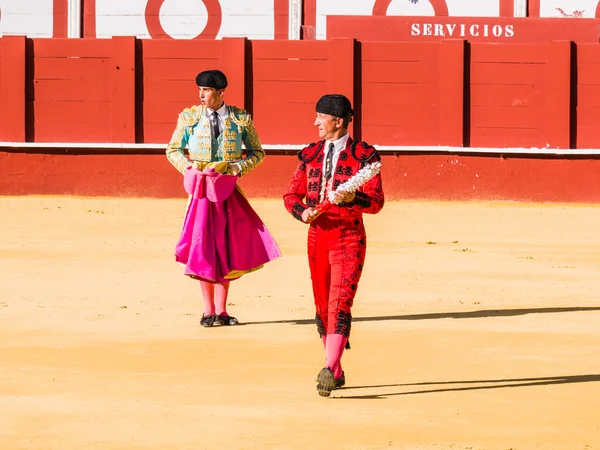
307	179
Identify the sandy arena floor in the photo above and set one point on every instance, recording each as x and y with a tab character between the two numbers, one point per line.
476	327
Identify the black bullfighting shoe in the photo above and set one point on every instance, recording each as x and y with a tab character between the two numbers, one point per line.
340	382
208	321
325	382
227	320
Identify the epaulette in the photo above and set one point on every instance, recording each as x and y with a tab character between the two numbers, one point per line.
238	111
363	152
309	153
239	116
190	116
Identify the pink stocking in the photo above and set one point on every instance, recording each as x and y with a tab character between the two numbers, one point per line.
334	348
208	293
221	291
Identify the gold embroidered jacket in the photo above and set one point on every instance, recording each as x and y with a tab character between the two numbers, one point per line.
193	131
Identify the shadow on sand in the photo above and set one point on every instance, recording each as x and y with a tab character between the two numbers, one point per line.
472	385
446	315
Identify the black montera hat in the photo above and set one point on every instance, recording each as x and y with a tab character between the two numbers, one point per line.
335	105
212	78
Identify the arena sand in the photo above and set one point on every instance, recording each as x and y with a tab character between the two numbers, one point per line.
476	327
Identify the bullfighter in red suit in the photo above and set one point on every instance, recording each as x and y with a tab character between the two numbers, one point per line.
336	238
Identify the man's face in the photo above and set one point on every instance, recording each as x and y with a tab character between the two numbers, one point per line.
210	97
327	125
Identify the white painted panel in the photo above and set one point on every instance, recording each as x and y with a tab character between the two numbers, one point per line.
185	19
121	18
568	8
474	8
32	17
340	7
252	19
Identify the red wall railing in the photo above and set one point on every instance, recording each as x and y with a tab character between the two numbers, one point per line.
436	93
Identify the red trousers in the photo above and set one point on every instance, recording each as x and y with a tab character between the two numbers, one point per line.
336	254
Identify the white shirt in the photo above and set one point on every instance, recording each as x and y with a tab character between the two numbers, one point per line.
222	112
338	146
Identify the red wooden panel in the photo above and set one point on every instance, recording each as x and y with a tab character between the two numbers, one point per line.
500	73
281	19
588	53
181	49
274	92
74	113
164	112
451	91
301	133
63	131
419	116
588	74
588	95
123	82
509	53
62	48
159	133
587	136
400	94
400	51
233	63
400	72
589	116
342	71
177	69
60	22
288	50
169	90
507	137
91	89
506	117
284	112
291	70
71	68
557	87
507	95
399	135
13	123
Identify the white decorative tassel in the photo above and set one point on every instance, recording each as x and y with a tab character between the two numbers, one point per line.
352	184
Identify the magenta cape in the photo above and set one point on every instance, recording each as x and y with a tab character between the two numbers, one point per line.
222	237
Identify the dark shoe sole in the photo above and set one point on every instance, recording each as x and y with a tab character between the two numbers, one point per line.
227	320
208	321
326	382
340	382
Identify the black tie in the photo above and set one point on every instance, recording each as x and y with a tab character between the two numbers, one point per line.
214	124
328	162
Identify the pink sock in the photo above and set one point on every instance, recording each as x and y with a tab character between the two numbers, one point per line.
208	294
334	348
221	291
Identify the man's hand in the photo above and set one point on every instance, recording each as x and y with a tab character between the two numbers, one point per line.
234	169
340	197
309	214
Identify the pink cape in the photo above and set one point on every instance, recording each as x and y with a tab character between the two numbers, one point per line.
222	237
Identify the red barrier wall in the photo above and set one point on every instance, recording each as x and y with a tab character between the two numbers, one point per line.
439	93
449	93
415	176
